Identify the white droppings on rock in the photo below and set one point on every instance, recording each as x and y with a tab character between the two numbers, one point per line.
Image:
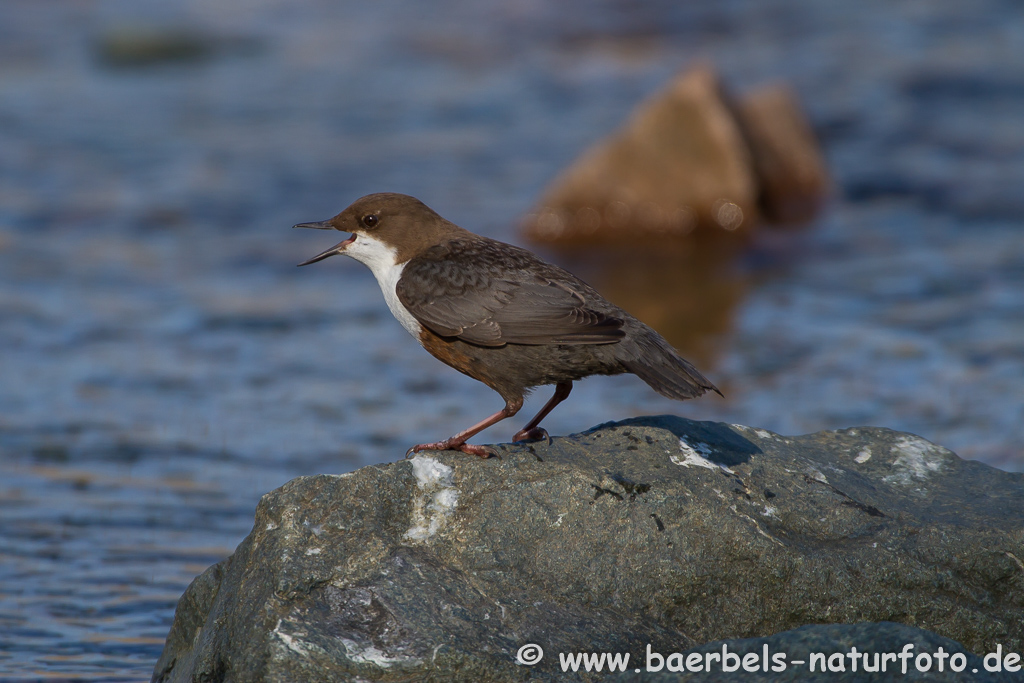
430	473
313	551
916	460
696	456
558	522
764	434
271	526
863	456
703	448
436	501
770	511
369	654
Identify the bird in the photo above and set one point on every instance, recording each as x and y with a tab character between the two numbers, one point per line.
498	313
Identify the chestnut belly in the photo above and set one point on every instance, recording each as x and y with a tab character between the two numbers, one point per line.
512	369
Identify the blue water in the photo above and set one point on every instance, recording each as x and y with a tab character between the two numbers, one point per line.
163	363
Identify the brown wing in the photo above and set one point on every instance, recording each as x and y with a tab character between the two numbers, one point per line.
483	293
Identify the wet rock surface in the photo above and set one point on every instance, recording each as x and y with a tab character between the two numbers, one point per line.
659	531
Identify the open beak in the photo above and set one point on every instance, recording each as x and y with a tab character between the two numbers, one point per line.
336	249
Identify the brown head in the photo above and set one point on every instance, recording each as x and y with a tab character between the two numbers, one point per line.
387	229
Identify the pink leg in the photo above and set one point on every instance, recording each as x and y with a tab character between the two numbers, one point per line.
532	431
458	442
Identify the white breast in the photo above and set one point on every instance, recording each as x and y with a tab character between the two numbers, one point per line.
380	259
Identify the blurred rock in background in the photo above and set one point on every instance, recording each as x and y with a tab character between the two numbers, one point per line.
791	174
689	162
143	45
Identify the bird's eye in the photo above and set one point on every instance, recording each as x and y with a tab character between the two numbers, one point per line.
370	220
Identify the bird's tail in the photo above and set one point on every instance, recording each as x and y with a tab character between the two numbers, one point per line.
661	366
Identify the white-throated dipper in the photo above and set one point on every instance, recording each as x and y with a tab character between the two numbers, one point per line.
498	313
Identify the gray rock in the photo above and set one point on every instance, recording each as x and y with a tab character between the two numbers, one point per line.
658	531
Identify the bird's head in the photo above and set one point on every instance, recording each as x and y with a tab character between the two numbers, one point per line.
386	228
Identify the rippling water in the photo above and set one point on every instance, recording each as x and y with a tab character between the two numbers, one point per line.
163	363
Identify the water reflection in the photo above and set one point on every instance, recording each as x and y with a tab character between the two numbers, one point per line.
689	291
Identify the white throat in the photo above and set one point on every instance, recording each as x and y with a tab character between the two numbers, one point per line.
380	259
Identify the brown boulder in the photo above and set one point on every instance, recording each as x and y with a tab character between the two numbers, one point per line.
788	163
688	162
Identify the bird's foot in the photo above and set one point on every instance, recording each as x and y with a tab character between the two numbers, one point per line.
535	434
449	445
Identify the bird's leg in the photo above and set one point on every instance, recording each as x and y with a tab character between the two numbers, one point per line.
458	442
532	431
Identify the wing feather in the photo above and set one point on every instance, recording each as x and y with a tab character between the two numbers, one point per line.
500	300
